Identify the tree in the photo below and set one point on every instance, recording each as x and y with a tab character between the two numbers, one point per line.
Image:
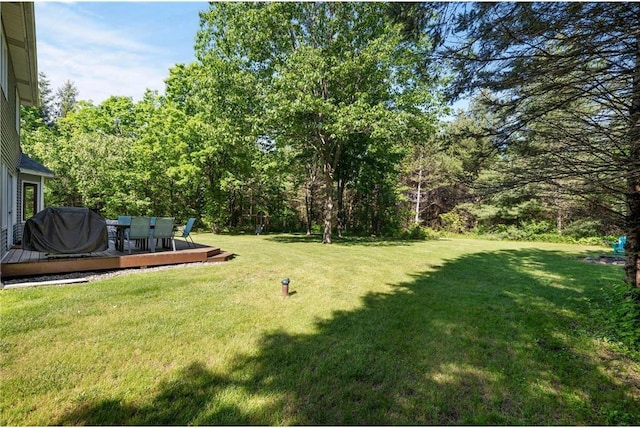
66	98
93	157
330	74
431	171
219	141
47	101
566	80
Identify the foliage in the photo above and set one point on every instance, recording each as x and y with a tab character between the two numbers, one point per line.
564	82
330	116
336	84
66	98
583	228
622	317
452	222
420	233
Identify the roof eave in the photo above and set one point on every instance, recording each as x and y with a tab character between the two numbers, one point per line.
38	173
30	28
20	31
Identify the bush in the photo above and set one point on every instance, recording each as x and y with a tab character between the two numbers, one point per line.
621	318
538	232
532	228
452	222
583	228
419	233
511	233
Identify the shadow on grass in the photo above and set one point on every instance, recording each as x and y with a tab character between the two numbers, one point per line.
370	241
489	338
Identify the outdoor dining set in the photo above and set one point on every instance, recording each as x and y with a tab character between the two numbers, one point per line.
147	232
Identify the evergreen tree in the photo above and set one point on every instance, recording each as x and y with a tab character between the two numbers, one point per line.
66	98
47	107
566	80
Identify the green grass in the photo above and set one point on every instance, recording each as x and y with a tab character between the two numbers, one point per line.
375	332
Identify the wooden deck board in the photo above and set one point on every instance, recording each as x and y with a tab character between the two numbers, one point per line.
20	263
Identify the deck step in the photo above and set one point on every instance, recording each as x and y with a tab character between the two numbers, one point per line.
221	257
214	251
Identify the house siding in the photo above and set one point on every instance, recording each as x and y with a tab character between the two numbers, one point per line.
9	155
10	137
19	226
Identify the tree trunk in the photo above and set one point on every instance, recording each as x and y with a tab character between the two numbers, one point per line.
419	193
632	265
331	158
307	204
341	216
328	204
560	215
310	194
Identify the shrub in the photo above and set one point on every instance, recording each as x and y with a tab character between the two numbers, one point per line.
621	318
535	231
583	228
532	228
510	232
419	233
452	222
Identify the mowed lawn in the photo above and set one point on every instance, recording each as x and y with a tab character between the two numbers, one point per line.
374	332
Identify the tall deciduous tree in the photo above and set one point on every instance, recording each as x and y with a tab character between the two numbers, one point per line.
328	72
564	73
219	142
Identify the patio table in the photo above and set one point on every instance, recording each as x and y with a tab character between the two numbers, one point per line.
121	227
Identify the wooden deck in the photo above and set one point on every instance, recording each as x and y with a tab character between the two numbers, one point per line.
20	263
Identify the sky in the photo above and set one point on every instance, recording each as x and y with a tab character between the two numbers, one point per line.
117	48
114	48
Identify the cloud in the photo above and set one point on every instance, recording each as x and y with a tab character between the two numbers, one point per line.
77	45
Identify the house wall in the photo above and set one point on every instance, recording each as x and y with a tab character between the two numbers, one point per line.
9	159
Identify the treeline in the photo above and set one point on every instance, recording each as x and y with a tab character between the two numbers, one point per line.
149	158
330	118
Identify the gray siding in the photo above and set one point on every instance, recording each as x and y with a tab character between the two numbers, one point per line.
10	137
10	144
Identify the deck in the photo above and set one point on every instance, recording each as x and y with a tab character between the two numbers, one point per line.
20	263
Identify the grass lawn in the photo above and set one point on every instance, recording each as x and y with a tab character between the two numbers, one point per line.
374	332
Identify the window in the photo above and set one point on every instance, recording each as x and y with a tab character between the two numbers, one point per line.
29	200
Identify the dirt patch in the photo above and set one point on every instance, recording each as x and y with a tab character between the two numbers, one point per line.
606	260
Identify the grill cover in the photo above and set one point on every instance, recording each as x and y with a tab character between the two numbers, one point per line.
62	230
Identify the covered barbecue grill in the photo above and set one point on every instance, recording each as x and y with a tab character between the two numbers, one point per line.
64	230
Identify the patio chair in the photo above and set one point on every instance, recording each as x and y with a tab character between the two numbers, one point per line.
618	246
153	224
111	229
139	229
164	230
186	232
125	219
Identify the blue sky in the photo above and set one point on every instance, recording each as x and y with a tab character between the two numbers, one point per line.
114	48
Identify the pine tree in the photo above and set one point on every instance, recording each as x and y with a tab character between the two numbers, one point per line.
66	98
566	80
